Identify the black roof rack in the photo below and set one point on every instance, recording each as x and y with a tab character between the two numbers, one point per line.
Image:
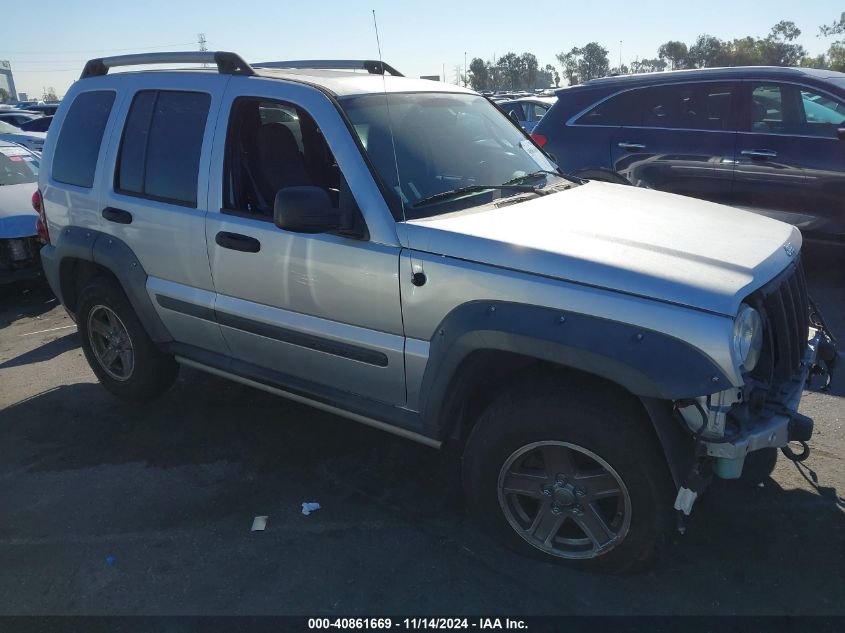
373	67
227	63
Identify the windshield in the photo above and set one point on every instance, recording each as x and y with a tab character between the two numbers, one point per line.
444	143
17	166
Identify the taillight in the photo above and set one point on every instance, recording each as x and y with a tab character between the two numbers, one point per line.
41	222
539	139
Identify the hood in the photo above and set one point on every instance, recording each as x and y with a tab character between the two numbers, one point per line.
17	217
638	241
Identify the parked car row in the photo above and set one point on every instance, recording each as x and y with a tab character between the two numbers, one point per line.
769	140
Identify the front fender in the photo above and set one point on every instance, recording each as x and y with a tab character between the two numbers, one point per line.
647	363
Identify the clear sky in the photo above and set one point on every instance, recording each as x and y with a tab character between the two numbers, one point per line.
50	47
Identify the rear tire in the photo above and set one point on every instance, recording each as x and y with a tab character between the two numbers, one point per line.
569	472
116	345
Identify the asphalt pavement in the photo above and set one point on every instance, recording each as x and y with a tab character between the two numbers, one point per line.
111	508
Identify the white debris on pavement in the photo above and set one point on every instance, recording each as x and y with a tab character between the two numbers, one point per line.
258	524
309	506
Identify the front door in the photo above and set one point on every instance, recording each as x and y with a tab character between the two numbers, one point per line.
790	162
318	310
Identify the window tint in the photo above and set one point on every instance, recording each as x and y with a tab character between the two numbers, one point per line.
619	110
767	112
78	147
700	106
822	115
161	146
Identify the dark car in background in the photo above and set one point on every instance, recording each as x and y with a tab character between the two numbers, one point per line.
770	140
16	117
38	124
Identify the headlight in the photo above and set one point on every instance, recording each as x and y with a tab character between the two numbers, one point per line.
748	337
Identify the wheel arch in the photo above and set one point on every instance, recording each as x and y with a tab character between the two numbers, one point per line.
82	254
483	347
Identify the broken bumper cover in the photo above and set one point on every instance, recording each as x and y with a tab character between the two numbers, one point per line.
779	422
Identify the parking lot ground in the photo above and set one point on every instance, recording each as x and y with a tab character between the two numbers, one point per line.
111	508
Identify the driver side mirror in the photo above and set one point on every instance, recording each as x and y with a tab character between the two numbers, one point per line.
305	210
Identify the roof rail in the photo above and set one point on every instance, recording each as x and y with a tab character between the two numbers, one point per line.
227	63
373	67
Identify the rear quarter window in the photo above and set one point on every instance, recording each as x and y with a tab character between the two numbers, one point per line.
78	147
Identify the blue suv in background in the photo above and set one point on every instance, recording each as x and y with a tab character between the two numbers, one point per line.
770	140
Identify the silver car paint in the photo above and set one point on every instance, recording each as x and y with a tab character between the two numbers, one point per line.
168	238
334	287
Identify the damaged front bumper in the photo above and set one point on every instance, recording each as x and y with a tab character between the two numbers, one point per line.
731	424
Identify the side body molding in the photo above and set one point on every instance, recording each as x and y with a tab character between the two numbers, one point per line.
111	253
647	363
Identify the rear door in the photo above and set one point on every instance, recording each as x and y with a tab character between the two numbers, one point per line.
156	197
790	163
682	140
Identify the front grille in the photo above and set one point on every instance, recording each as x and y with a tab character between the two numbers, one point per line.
785	309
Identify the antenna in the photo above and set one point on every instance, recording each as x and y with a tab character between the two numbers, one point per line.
418	278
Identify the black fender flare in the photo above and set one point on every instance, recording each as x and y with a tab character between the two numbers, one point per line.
114	255
642	361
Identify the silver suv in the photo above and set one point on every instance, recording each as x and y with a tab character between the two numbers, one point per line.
398	252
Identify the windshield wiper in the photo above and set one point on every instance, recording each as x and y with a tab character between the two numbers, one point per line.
445	195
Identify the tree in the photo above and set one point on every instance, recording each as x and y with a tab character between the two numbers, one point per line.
583	64
4	95
837	28
50	94
676	52
705	53
778	50
530	66
547	76
648	65
479	78
835	57
512	68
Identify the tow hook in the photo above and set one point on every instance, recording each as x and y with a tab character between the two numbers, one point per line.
694	484
800	430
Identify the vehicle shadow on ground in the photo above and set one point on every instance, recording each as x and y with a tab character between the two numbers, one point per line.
25	299
783	548
46	352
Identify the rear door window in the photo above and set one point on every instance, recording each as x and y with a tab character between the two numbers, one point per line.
78	147
161	146
694	106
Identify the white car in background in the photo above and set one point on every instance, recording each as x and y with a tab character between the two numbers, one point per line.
31	140
18	232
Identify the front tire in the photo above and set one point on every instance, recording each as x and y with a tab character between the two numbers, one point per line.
116	345
569	473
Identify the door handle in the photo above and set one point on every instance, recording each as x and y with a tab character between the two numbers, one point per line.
117	215
237	242
759	154
632	147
